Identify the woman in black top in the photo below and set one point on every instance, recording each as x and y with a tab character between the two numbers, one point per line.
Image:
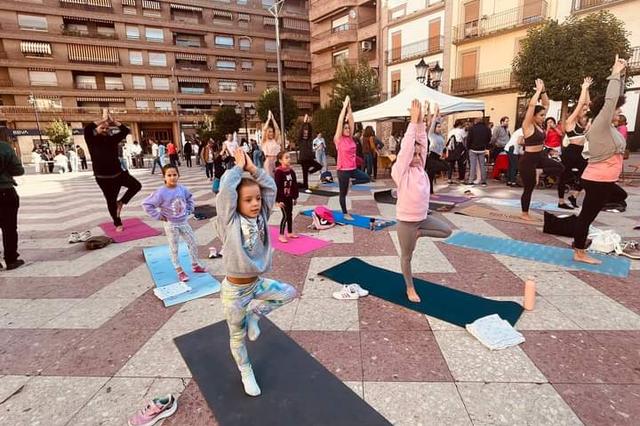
534	156
307	157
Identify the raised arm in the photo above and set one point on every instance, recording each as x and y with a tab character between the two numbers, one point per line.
434	119
527	123
571	121
415	133
343	112
352	126
614	90
268	187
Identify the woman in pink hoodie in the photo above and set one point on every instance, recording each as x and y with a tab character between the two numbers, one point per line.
412	207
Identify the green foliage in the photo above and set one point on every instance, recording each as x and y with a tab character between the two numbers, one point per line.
294	132
563	54
206	129
360	82
269	101
325	120
58	133
225	121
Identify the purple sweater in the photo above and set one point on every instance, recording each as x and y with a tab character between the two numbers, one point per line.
175	204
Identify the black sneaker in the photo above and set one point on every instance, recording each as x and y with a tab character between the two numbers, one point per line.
573	201
15	264
564	206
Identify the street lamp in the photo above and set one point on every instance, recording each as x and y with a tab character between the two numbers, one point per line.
275	11
243	110
432	74
34	103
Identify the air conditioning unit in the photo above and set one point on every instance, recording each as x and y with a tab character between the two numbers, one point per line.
367	46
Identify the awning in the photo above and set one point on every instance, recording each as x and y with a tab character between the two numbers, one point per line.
227	81
146	98
99	3
87	53
243	17
207	102
74	1
151	4
43	69
225	58
222	14
267	20
190	79
296	64
185	7
295	24
87	19
35	47
297	85
129	3
190	57
99	99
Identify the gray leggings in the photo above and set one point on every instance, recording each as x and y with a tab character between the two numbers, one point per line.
409	232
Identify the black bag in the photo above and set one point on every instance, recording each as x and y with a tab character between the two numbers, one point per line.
563	226
98	242
458	149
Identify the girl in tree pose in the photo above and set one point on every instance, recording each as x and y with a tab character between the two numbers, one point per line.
412	207
270	144
534	156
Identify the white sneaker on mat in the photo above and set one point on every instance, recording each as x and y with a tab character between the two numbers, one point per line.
361	291
85	236
347	293
249	383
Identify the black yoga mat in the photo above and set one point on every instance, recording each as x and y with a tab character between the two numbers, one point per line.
322	192
296	389
385	197
450	305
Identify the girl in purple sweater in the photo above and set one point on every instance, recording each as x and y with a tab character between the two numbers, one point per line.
172	204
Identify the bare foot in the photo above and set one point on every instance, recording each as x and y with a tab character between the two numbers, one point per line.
412	295
119	228
119	209
283	239
525	216
292	235
581	256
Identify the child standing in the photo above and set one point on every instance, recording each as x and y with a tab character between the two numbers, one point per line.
244	206
172	204
287	195
412	207
218	171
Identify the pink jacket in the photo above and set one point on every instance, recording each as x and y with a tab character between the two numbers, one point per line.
410	177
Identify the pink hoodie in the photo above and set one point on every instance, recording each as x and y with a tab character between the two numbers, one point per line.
410	177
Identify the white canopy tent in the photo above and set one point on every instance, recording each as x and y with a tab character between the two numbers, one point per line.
398	106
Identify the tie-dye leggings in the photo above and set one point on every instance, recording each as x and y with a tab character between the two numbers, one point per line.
173	232
257	298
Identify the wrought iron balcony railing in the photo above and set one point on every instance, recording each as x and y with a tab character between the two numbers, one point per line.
495	80
415	50
579	5
633	64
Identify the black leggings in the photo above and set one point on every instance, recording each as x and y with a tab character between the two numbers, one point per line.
597	194
462	167
344	176
308	167
434	166
111	188
287	216
10	202
529	162
571	159
208	168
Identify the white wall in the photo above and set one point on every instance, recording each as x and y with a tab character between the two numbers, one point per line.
408	70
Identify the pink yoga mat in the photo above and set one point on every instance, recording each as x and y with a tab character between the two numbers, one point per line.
134	229
296	246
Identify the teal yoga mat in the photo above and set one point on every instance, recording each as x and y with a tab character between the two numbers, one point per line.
360	221
158	260
611	265
447	304
355	187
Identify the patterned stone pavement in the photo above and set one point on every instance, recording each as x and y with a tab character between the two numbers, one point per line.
85	342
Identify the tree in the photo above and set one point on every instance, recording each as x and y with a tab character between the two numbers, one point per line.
58	133
226	121
360	82
206	129
325	120
563	54
269	101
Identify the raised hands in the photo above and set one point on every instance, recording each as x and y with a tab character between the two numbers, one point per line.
539	85
416	111
241	159
619	65
587	82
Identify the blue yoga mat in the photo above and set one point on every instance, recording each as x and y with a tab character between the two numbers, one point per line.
359	187
536	205
158	260
614	266
359	221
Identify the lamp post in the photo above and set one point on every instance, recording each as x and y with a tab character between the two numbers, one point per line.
431	76
34	103
175	101
243	110
275	11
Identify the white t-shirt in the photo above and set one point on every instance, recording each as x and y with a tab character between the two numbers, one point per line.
154	149
513	142
231	147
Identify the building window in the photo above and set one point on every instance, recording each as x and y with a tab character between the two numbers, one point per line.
222	17
248	86
340	57
188	40
128	10
133	33
247	65
135	58
86	82
43	78
272	66
226	64
340	24
48	103
243	19
270	45
160	83
157	59
267	3
163	105
139	82
241	2
113	83
154	34
142	104
227	86
395	83
244	43
224	41
32	23
106	32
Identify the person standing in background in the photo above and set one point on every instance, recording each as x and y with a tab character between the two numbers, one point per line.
82	156
478	148
320	148
187	150
172	151
499	138
10	166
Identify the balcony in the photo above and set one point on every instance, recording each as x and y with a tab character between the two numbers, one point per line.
367	29
103	6
519	17
323	73
335	37
415	50
582	5
633	64
90	34
320	9
490	81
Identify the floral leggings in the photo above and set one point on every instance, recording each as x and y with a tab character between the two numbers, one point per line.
173	232
257	298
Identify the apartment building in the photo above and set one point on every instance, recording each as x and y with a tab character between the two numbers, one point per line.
342	31
158	65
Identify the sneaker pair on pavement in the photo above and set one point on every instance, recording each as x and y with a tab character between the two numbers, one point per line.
156	410
77	237
350	292
631	249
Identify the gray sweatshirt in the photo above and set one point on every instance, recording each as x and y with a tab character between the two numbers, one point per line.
245	242
603	140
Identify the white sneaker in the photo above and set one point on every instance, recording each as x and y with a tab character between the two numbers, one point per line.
308	191
249	383
361	291
347	293
74	237
85	236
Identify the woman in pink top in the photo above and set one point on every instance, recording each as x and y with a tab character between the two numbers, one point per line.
604	150
412	207
346	156
270	144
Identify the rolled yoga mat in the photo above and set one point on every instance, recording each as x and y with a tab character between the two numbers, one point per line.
611	265
359	221
322	192
385	197
296	388
447	304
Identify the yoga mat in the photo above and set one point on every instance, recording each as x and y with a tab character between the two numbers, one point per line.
134	229
456	199
315	191
158	260
611	265
447	304
536	205
385	197
359	221
359	187
296	246
296	388
487	213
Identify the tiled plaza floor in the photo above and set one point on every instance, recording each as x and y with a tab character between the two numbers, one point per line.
85	342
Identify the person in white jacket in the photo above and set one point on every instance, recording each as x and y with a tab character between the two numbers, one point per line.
61	162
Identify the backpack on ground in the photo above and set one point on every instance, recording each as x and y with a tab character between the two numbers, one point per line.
322	218
559	225
326	176
97	242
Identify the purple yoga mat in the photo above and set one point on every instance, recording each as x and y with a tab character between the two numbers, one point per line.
296	246
134	229
450	198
